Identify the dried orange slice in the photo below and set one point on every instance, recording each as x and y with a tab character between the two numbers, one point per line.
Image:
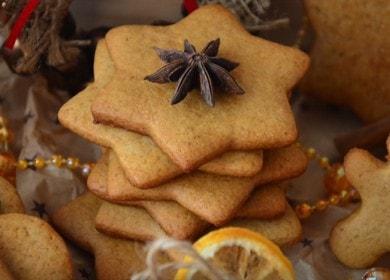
240	254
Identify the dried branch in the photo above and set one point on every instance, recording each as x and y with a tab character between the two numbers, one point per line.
365	137
251	13
41	40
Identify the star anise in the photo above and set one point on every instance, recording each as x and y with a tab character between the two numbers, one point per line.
192	69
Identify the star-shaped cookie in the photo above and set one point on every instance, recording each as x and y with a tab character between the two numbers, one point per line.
360	239
144	163
116	220
350	60
191	132
268	202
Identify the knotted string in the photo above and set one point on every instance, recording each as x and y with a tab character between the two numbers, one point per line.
156	271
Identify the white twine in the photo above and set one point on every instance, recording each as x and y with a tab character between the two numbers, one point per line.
156	271
251	13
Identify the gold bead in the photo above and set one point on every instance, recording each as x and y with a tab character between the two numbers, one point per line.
340	172
311	152
72	163
322	205
334	199
39	163
324	162
335	180
22	164
3	134
57	160
303	210
344	196
85	169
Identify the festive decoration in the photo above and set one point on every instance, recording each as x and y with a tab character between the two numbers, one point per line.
20	23
38	25
58	161
7	160
190	67
251	13
190	5
335	181
339	189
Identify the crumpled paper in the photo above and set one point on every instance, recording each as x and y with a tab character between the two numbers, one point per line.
32	113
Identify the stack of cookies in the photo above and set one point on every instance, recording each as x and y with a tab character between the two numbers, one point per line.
180	170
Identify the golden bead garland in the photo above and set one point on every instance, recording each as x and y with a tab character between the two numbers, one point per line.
58	161
339	189
8	163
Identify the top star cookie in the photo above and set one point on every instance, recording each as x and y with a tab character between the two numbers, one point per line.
351	55
191	132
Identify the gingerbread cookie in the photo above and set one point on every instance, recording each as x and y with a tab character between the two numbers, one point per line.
10	201
213	198
245	122
31	249
283	163
5	274
361	238
266	202
176	221
351	55
161	218
103	67
237	163
388	147
285	230
209	190
118	220
144	163
130	222
114	258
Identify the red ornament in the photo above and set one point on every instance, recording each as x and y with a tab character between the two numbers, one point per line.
20	23
190	5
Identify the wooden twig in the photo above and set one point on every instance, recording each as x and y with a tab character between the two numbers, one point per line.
365	137
78	43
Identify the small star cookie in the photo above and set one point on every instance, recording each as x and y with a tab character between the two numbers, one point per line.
360	239
350	59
